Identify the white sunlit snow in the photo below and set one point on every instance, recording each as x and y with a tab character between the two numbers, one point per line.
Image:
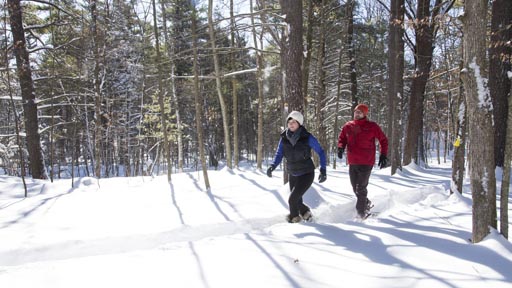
144	232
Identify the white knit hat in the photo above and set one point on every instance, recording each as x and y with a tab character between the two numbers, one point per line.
297	116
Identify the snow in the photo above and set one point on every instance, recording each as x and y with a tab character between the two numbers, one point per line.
145	232
484	98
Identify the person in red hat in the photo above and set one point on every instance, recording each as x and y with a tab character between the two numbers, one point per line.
358	137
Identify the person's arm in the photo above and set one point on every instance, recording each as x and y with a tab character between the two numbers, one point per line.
342	138
278	157
383	141
313	143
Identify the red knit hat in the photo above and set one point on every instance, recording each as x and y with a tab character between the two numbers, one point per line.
363	108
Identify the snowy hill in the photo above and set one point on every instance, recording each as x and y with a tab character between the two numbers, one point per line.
144	232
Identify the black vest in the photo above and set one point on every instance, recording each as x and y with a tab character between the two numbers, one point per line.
298	156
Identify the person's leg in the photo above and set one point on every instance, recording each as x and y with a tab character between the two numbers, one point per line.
300	186
360	176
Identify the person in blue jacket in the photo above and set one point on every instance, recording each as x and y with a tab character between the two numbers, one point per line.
295	145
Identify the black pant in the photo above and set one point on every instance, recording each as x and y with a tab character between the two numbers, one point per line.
298	186
359	177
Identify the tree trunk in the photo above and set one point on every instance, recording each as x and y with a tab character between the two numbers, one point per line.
481	154
198	99
170	53
24	72
234	87
423	50
309	51
293	54
259	76
320	84
223	108
349	10
396	82
505	182
97	90
460	143
16	125
499	64
161	102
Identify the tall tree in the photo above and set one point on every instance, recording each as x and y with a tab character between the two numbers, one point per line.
293	51
218	86
481	153
395	80
505	184
198	98
425	28
27	90
349	10
234	85
161	94
500	52
460	143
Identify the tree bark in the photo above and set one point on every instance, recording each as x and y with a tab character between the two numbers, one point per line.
27	90
223	108
505	182
349	10
460	143
309	50
293	54
481	154
320	84
499	64
396	82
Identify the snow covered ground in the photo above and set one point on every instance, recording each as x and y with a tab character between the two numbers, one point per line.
144	232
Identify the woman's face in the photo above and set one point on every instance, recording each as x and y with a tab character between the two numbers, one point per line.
293	125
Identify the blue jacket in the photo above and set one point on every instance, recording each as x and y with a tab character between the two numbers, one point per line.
298	155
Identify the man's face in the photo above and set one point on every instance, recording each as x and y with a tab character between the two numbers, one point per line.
358	114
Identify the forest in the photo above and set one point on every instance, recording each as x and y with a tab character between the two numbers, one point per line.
129	88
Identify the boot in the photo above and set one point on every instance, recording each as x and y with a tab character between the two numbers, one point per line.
308	216
295	219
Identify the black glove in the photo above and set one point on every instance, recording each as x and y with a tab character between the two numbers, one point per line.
383	161
270	169
323	176
340	152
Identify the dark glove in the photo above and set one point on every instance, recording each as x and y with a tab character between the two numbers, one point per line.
270	169
323	175
340	152
383	161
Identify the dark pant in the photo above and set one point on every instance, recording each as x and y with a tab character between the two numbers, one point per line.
359	177
298	186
